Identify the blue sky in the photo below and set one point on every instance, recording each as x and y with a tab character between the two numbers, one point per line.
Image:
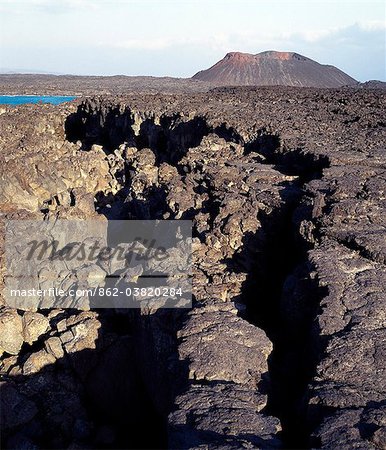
180	37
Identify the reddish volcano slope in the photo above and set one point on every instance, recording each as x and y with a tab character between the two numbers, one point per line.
271	69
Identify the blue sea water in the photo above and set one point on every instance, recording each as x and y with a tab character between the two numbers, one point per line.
22	99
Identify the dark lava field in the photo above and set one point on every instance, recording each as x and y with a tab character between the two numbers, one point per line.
285	345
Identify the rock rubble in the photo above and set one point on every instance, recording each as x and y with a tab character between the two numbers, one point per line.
285	343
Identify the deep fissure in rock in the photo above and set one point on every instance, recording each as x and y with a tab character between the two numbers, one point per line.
282	292
280	277
116	398
169	137
106	389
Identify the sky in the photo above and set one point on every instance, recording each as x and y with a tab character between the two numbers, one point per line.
180	37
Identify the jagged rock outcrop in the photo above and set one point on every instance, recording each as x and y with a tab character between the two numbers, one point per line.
284	345
273	69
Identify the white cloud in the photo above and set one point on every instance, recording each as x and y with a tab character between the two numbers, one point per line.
254	41
357	49
312	36
373	25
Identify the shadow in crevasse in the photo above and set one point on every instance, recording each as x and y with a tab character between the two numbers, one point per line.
105	389
169	137
109	126
281	293
218	440
114	374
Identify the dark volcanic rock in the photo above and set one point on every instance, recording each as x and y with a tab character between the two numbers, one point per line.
35	84
285	343
273	69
